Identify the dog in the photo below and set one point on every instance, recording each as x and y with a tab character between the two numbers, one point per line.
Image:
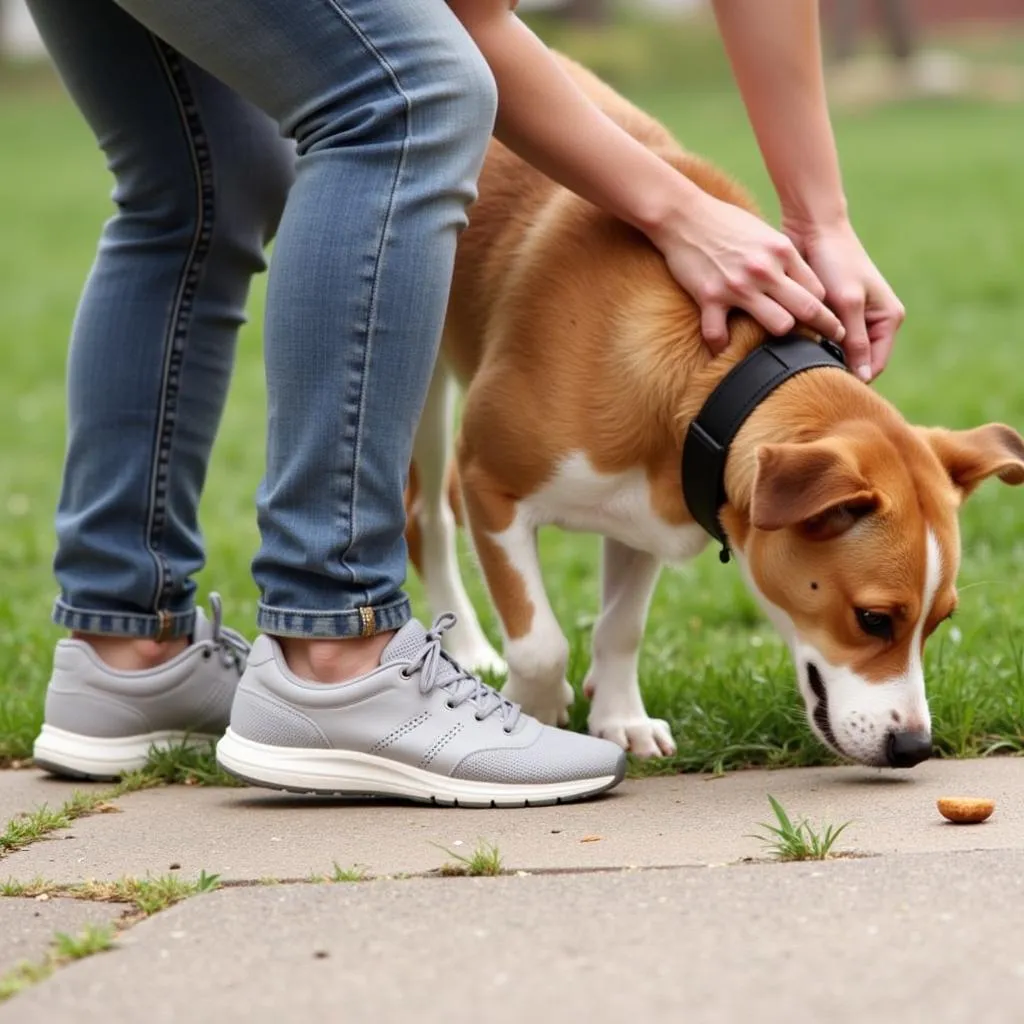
584	376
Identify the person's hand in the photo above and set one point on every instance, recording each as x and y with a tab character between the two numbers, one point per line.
727	258
855	289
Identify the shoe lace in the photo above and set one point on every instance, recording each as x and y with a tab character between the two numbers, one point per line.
232	646
461	686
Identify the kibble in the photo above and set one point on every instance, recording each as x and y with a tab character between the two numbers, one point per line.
965	810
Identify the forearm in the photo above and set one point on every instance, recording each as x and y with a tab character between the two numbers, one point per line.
775	51
544	118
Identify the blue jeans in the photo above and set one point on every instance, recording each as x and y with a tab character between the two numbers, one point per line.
355	130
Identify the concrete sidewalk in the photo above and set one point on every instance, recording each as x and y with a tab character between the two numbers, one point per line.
927	922
925	937
247	834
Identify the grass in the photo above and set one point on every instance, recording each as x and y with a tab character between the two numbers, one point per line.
147	896
23	976
799	841
37	887
484	861
92	939
188	766
34	825
934	191
355	873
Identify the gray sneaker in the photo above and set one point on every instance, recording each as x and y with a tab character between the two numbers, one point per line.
101	723
419	727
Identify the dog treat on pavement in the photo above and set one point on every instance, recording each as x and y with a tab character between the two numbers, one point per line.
965	810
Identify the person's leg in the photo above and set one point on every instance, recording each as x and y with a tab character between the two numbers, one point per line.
391	111
200	179
391	108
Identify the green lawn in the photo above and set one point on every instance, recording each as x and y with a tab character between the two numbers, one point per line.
936	192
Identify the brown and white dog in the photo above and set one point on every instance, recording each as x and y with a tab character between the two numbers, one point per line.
583	365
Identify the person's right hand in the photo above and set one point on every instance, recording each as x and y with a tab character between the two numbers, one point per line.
727	258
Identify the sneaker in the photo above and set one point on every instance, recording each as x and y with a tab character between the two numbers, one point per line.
101	723
419	727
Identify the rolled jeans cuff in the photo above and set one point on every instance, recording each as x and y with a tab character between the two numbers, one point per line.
338	624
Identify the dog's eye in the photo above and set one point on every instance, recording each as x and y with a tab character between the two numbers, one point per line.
875	624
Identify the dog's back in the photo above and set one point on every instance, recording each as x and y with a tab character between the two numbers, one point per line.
532	245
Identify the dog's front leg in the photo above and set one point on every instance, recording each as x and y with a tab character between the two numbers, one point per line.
436	556
535	648
617	710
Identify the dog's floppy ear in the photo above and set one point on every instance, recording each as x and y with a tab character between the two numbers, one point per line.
972	456
815	484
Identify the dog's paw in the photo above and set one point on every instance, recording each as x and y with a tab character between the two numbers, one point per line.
641	736
549	705
480	657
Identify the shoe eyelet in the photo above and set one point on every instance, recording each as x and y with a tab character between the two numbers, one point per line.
449	705
506	730
404	674
207	654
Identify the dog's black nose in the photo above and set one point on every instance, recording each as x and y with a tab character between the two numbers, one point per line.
905	749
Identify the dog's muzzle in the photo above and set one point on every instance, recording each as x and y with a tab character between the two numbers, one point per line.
903	749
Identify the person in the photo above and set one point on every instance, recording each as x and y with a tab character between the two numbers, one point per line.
353	133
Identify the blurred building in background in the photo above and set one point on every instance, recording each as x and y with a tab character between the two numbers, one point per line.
868	14
877	50
898	20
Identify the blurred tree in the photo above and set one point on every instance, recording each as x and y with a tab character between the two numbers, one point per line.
897	25
586	12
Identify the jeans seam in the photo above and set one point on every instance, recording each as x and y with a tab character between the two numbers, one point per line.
378	261
180	315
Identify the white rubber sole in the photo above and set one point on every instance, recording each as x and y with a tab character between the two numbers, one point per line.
349	773
69	753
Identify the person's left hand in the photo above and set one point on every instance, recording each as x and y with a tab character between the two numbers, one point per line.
855	291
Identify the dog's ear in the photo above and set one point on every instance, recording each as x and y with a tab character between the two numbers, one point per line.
972	456
815	485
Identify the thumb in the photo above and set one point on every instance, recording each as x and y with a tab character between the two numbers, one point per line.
856	344
858	354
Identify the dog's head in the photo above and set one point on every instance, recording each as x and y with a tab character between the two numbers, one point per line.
853	549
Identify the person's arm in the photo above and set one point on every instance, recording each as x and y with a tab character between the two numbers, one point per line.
775	52
723	256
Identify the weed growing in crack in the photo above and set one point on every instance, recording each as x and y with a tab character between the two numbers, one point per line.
65	948
93	938
37	887
147	895
27	828
485	860
799	841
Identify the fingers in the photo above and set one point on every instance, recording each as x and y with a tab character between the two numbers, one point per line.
714	325
849	304
714	315
807	309
773	317
800	271
777	302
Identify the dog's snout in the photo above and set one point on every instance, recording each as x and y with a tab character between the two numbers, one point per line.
905	749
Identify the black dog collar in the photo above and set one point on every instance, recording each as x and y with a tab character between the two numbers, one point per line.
738	394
